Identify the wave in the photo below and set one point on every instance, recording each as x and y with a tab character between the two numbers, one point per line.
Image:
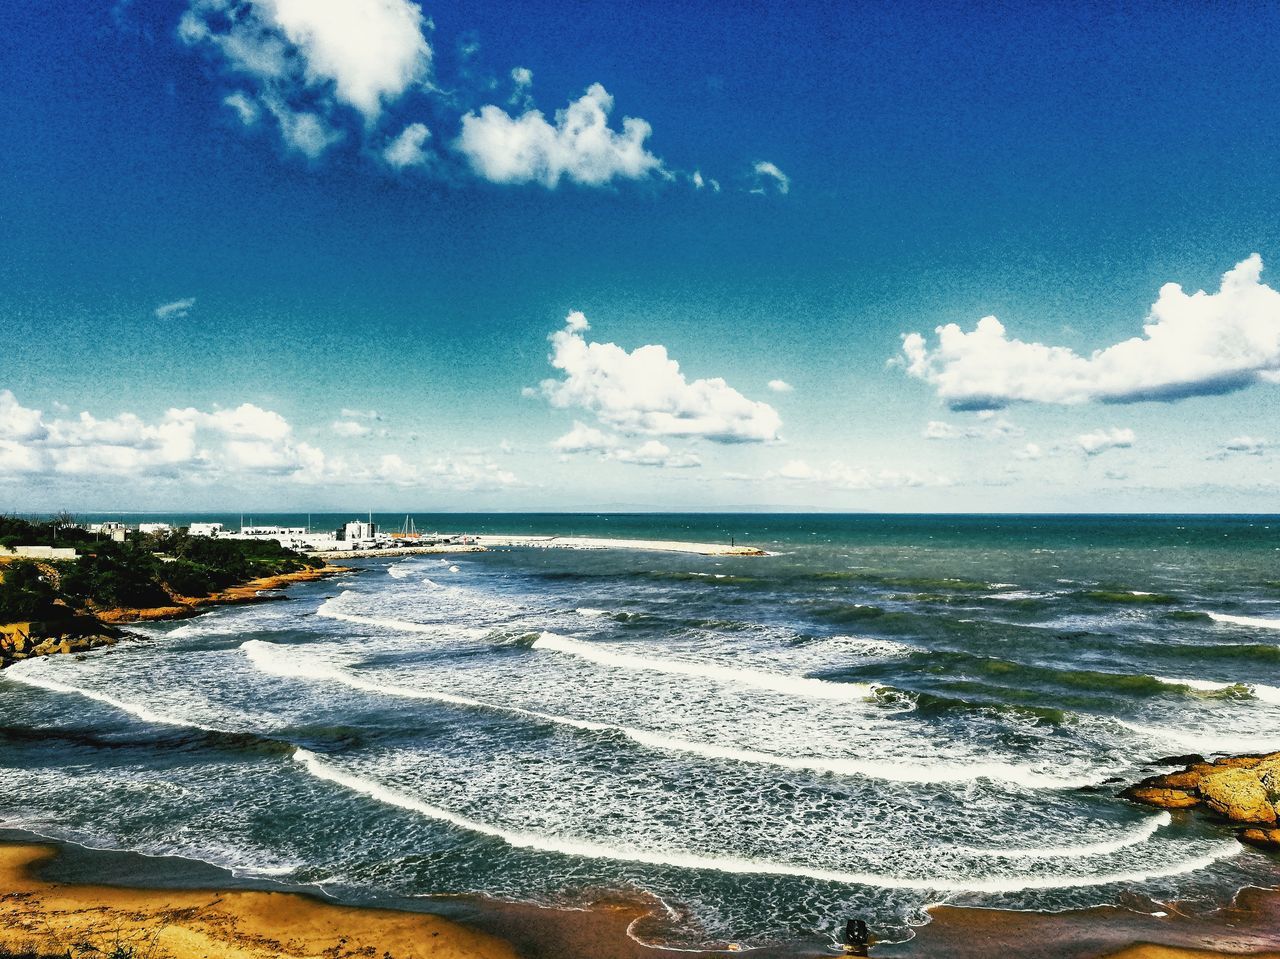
329	611
775	682
1133	837
1267	694
269	658
1258	622
588	849
22	673
1205	743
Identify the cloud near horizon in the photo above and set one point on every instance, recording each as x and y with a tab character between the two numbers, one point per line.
175	310
1099	441
1192	345
240	443
644	393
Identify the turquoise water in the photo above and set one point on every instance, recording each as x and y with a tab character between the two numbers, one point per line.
890	711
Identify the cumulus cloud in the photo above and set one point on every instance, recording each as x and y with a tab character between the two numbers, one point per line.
643	392
302	58
350	414
1238	446
781	386
837	475
175	310
407	148
580	146
240	443
656	453
1099	441
768	176
585	439
1031	451
1192	344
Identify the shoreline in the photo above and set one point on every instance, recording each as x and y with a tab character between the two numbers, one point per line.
233	595
59	892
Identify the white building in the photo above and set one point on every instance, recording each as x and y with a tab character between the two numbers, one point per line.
358	531
204	529
154	528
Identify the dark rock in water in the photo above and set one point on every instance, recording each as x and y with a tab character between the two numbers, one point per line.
1188	760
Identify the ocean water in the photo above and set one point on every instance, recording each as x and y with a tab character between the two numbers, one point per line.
887	712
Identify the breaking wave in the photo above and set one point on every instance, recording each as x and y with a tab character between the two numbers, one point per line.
759	679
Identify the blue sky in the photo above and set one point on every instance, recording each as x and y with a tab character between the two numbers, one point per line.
308	255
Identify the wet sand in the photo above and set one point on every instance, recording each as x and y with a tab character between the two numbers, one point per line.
176	908
54	917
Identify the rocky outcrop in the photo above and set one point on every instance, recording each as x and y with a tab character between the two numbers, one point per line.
77	635
1241	789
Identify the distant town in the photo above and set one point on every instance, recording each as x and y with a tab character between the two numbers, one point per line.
355	536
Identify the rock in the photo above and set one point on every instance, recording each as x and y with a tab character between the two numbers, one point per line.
1262	838
1162	798
1238	794
1189	760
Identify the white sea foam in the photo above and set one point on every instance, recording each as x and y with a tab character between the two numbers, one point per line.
775	682
1267	694
1207	743
590	613
1258	622
589	849
329	609
29	673
283	661
1133	837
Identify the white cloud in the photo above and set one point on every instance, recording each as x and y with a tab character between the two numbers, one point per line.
350	414
364	52
175	310
994	429
655	453
303	131
240	444
349	428
781	386
768	175
579	146
17	422
1101	440
837	475
406	149
585	439
1239	446
643	392
1192	344
1031	451
244	106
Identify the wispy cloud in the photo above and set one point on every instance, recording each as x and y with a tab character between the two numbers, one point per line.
1101	440
175	310
769	177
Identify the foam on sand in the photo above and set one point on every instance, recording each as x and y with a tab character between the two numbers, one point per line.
281	661
588	849
775	682
1258	622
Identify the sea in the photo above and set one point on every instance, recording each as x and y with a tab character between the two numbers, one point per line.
886	712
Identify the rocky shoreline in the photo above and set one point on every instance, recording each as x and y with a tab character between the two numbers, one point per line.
85	632
1242	790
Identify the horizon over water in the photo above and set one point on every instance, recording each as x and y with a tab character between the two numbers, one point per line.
890	711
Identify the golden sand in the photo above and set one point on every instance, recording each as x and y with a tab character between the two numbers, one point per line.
186	924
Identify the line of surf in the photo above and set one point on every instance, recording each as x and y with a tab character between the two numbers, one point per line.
774	682
588	849
1258	622
1267	694
1139	834
22	673
272	658
1202	742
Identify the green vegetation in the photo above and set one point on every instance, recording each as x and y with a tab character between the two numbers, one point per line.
144	570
